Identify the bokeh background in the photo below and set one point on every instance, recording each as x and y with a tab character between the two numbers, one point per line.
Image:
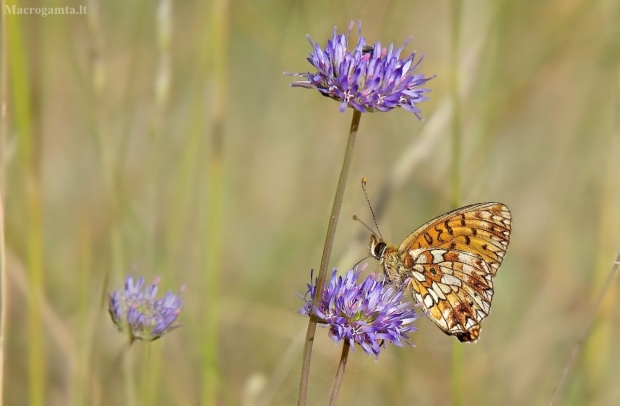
160	138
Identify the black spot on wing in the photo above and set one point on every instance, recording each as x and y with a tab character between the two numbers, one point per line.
439	231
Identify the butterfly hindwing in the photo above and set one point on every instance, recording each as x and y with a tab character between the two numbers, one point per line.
482	229
454	287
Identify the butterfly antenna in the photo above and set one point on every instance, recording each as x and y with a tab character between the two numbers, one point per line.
364	224
374	218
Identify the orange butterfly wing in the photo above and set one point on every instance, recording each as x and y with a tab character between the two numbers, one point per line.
451	261
455	287
481	229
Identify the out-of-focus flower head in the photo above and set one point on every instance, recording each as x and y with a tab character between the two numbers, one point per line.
368	314
137	313
365	77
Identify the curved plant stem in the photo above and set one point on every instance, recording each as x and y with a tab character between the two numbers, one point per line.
586	331
327	250
339	374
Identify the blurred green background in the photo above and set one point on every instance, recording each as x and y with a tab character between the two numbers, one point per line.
163	134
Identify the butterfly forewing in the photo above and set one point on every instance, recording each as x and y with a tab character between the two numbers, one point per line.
482	229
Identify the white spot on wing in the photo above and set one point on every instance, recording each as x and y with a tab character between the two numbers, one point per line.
415	254
450	280
438	288
418	276
438	256
428	301
434	295
444	288
485	215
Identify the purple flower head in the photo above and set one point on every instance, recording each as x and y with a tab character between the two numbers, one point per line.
367	77
369	314
136	312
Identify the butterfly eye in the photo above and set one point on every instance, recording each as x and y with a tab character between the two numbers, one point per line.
379	249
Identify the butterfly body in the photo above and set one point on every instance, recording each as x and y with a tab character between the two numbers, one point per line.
449	263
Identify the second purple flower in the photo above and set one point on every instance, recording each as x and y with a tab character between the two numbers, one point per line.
137	312
368	314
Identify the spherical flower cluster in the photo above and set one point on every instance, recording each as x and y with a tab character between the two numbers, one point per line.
138	314
369	314
366	78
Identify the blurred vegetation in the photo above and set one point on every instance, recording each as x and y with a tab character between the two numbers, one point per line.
163	134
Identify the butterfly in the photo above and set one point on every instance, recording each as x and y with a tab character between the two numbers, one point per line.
449	264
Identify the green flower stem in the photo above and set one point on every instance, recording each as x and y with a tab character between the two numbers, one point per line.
147	380
213	227
339	374
4	120
3	136
128	369
22	109
327	250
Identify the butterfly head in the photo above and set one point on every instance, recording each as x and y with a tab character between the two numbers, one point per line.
377	247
